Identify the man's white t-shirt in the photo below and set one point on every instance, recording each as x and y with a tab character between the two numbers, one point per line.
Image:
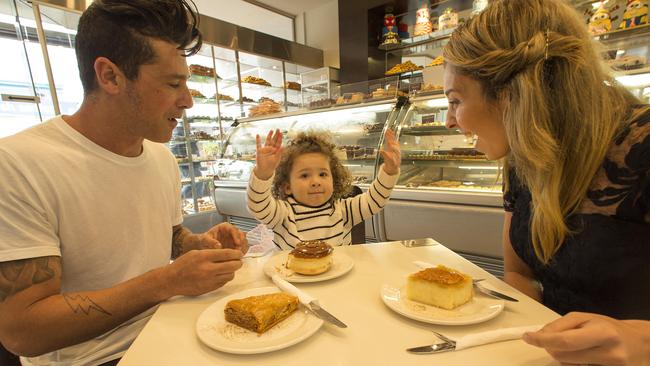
107	216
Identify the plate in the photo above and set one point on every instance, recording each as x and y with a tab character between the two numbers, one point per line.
479	309
341	264
213	329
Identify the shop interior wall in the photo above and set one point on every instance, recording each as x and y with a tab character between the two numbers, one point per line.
248	16
319	28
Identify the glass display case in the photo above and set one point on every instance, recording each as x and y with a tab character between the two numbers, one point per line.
627	52
356	130
434	157
318	87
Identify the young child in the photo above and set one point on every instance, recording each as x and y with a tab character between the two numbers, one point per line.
298	191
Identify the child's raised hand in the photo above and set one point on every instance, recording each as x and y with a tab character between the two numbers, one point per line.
268	156
391	153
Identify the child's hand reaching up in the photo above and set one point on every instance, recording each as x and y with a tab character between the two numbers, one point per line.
391	153
268	156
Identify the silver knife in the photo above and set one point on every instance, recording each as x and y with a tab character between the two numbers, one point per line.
309	302
477	285
493	293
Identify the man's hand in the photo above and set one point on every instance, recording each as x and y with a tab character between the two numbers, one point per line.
391	153
200	271
268	156
585	338
224	235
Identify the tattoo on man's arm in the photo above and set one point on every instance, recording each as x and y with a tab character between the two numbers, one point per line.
178	237
84	304
16	276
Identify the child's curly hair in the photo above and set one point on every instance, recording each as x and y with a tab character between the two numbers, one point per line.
312	142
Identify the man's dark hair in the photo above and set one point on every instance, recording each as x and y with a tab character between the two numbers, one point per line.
119	30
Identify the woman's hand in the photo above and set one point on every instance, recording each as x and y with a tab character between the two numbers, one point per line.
268	156
391	153
585	338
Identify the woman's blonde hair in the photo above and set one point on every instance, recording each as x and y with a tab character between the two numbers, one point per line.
561	108
312	142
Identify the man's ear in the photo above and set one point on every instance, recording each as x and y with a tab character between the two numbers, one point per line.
109	77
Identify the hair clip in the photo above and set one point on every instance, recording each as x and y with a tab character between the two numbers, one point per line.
546	46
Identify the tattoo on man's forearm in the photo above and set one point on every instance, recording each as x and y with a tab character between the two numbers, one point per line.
81	303
178	236
16	276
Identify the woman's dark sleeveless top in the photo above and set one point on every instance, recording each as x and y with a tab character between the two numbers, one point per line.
604	267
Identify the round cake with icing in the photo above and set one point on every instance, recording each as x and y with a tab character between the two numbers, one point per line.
310	257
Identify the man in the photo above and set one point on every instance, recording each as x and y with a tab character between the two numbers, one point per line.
90	203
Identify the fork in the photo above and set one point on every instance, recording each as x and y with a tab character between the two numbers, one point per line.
446	345
475	339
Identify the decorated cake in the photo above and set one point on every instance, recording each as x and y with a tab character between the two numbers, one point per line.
310	257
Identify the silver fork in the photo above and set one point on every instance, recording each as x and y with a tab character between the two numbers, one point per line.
446	345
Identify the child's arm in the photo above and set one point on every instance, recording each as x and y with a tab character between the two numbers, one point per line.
391	153
363	206
260	201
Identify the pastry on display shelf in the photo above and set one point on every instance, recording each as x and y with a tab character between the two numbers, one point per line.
201	70
268	106
224	97
438	61
290	104
255	80
292	85
360	180
358	152
310	257
390	92
260	313
196	94
246	100
266	99
407	66
321	103
430	88
629	62
440	286
349	98
202	135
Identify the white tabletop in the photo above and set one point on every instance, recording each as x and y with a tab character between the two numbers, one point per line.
376	335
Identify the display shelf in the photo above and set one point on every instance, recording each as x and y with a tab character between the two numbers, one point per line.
202	79
419	40
623	34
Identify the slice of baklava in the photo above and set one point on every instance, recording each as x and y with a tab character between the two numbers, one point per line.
259	313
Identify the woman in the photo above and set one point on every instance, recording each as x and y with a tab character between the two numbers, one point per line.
524	76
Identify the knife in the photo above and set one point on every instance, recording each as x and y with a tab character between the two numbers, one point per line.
309	302
477	285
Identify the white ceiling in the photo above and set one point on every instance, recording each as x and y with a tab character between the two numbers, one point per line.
295	7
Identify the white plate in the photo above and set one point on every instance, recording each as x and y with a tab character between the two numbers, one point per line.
213	329
479	309
341	264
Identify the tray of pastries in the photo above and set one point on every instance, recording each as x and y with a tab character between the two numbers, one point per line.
407	66
255	80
